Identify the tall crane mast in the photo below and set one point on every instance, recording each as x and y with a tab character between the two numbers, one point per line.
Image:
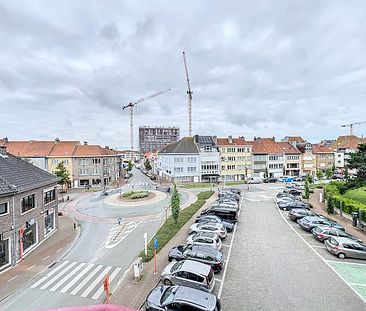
350	125
133	104
189	92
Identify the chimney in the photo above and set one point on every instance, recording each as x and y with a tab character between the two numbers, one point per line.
273	138
57	140
5	139
230	139
106	147
214	139
255	138
85	143
242	138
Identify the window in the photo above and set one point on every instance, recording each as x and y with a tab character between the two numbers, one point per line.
28	203
4	252
4	207
191	160
49	196
49	224
231	158
95	161
178	160
191	169
178	170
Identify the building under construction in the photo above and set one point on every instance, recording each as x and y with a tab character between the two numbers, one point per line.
154	138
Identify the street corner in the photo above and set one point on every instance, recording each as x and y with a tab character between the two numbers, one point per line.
118	233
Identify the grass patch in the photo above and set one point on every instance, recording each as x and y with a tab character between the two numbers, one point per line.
195	185
357	194
169	228
233	183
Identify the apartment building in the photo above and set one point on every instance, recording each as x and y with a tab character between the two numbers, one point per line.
154	138
28	208
209	156
324	157
292	156
308	158
180	161
94	165
236	158
342	147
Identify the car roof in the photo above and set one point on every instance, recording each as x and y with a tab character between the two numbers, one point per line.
344	240
206	234
195	267
204	249
213	224
196	297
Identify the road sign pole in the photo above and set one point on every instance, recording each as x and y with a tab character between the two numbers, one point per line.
21	231
145	239
106	288
155	261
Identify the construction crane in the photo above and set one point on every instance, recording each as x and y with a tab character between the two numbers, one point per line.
132	105
189	92
351	126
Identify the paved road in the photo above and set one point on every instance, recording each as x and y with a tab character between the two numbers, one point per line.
271	268
77	278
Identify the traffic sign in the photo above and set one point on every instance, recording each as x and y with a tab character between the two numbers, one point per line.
156	244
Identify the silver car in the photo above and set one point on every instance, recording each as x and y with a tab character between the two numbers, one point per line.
344	247
213	227
205	238
189	273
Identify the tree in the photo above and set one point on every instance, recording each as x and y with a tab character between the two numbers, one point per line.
129	168
175	204
266	173
309	178
357	161
62	173
307	190
319	174
328	173
346	174
147	165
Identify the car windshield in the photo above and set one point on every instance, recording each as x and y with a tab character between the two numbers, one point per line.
177	266
168	295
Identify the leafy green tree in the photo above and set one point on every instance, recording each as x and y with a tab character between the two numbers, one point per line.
309	178
175	204
328	173
307	190
357	161
129	168
62	173
319	174
346	174
147	165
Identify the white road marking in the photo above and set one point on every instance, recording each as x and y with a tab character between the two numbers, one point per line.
59	250
101	289
357	284
68	276
49	274
318	246
95	282
226	245
218	280
14	277
46	258
86	280
77	278
317	254
348	263
30	267
62	272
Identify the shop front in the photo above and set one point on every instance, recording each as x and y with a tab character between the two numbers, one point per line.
5	259
49	222
29	237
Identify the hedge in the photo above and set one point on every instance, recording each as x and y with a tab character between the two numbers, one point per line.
348	205
135	194
169	229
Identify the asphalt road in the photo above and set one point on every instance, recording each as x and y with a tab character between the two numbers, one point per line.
271	268
77	279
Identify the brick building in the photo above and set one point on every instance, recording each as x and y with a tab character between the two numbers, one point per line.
154	138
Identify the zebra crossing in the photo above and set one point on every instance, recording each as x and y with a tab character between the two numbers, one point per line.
78	279
119	233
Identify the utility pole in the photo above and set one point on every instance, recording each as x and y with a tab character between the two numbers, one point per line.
189	92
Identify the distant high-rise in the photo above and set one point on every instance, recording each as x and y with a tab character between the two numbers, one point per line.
154	138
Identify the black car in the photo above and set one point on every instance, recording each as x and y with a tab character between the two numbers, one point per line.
293	192
224	212
270	180
213	218
229	195
309	222
204	254
298	213
176	297
286	206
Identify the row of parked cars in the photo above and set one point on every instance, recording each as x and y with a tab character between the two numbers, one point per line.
337	241
188	280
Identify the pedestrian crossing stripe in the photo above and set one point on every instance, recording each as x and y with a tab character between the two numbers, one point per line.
77	279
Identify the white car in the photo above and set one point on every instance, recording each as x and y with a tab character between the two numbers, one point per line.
206	239
213	227
284	199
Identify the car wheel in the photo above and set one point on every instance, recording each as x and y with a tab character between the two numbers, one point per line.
167	283
341	255
170	259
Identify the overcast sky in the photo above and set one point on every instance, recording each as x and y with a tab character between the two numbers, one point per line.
257	68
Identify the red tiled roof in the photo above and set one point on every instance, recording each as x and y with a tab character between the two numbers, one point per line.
347	142
287	148
319	148
267	146
295	138
258	148
29	148
63	148
234	142
92	150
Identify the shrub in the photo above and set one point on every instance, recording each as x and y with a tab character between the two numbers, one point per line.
139	195
128	193
169	228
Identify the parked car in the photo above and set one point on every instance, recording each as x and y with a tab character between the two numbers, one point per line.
227	202
345	247
298	213
153	177
286	206
212	227
322	233
189	273
254	180
309	222
213	218
286	199
294	192
204	254
163	298
235	190
270	180
205	238
225	213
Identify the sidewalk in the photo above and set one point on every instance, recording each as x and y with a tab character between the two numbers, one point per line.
132	294
42	257
320	208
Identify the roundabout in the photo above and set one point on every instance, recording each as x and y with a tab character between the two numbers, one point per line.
115	200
